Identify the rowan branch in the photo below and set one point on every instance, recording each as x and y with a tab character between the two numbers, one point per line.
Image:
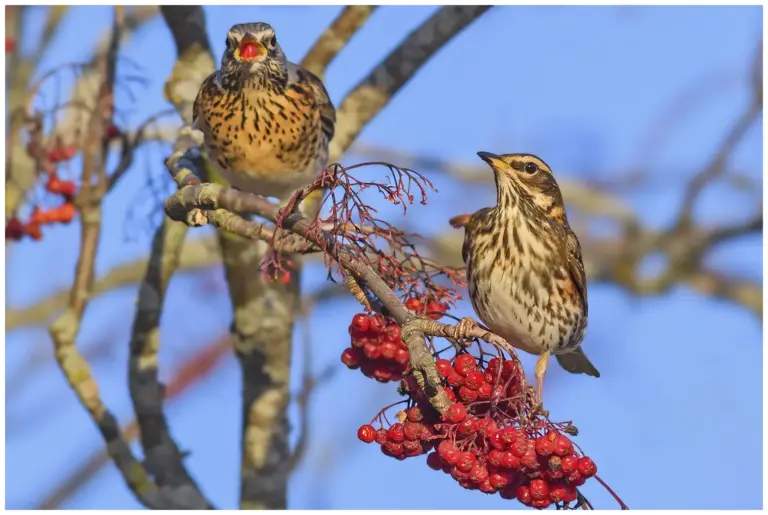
264	312
214	197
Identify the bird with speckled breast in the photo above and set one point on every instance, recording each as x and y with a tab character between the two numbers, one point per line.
266	122
524	266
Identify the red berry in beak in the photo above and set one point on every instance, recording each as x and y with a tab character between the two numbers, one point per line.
249	50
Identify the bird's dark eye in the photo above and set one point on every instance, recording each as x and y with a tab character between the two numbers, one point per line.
531	168
273	41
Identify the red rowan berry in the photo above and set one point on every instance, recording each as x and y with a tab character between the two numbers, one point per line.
466	461
395	432
467	394
539	490
524	495
366	433
351	358
414	304
586	467
464	364
360	324
448	452
456	412
444	367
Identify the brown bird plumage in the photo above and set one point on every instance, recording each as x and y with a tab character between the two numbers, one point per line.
524	267
266	122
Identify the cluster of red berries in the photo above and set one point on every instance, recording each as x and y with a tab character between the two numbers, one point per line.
16	230
377	349
476	441
433	309
61	153
411	436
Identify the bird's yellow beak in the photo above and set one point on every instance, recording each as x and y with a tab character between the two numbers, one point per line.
492	159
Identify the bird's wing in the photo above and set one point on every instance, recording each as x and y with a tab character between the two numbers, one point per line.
470	223
309	86
212	81
465	249
576	266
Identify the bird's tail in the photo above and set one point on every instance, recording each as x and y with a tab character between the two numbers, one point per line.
577	363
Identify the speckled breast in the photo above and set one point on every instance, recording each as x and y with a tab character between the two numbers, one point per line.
521	304
265	143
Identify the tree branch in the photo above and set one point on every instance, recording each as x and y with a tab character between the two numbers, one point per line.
719	161
21	171
369	97
65	329
194	62
163	459
336	37
191	370
582	196
414	329
262	344
197	254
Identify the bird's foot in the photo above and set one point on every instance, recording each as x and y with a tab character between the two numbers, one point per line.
464	327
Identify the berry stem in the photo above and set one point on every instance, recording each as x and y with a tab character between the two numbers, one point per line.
610	491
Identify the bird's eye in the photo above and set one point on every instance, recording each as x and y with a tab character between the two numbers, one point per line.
531	168
273	41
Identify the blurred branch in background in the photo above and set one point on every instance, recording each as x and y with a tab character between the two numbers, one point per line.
162	457
20	172
615	258
371	95
336	37
199	254
193	369
65	329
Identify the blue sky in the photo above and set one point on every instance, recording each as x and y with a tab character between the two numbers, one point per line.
587	89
